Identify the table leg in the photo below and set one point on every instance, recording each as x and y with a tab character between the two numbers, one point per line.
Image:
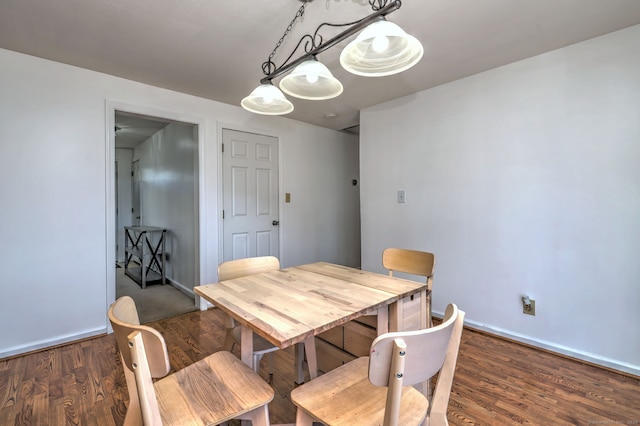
246	346
425	321
299	360
396	313
383	320
396	316
246	355
391	318
312	359
308	348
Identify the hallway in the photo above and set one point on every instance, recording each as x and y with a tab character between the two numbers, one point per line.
155	302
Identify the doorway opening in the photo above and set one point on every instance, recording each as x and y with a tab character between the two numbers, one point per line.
156	186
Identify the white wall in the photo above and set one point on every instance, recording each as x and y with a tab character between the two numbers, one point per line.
169	196
323	218
522	180
56	190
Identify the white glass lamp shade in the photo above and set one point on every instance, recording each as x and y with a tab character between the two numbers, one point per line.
382	48
267	99
311	80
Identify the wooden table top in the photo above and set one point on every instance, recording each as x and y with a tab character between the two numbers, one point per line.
288	306
397	286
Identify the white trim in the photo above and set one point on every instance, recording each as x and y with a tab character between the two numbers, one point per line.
202	203
181	288
49	343
219	190
552	347
110	209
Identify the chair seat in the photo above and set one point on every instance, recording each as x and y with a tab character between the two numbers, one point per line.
322	398
182	397
261	346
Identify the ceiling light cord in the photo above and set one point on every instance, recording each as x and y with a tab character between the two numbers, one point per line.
378	4
312	42
269	66
381	48
315	42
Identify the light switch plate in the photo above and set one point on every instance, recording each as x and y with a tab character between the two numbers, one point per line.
401	196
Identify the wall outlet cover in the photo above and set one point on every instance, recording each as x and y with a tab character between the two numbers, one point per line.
532	310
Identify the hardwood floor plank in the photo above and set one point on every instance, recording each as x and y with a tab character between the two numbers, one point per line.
9	390
497	382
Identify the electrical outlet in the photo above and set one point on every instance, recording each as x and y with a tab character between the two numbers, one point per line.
531	309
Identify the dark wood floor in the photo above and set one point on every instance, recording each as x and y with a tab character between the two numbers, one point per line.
496	383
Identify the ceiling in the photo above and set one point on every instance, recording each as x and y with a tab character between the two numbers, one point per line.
133	129
215	49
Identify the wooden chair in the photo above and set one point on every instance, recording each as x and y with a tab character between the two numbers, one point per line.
213	390
412	262
376	390
241	268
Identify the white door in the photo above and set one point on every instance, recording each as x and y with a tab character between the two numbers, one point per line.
250	195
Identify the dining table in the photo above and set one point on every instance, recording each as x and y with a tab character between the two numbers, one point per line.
292	305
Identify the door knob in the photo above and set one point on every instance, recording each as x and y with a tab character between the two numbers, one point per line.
275	223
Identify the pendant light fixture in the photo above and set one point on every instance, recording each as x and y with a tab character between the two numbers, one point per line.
311	80
267	99
381	49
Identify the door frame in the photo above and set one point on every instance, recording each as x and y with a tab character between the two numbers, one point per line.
281	210
111	106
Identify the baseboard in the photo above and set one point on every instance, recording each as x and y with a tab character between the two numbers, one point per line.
49	343
184	289
559	349
598	360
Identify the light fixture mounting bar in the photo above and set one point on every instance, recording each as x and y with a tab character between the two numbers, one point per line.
392	6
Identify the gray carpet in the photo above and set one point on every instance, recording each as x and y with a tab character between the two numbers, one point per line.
155	302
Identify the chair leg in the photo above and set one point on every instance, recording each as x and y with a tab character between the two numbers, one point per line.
229	341
270	380
429	319
256	362
303	419
260	416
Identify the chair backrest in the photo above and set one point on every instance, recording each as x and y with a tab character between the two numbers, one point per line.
125	322
144	383
409	261
405	358
249	266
